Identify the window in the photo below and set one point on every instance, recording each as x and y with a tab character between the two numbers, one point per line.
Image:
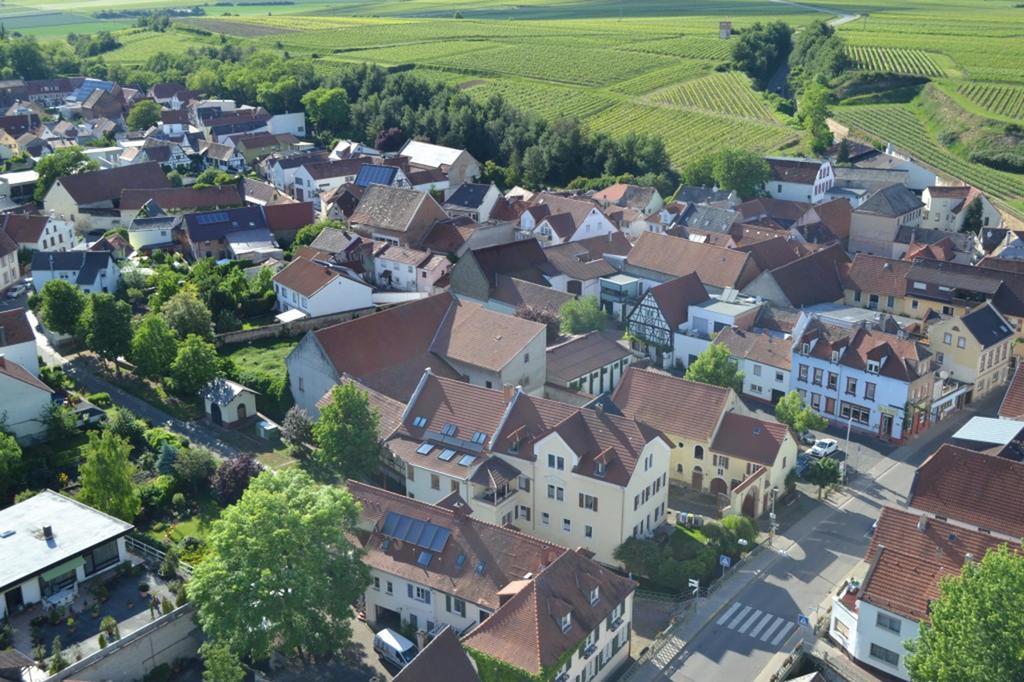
435	482
567	525
302	384
566	622
556	492
376	583
961	342
679	468
101	557
873	366
524	484
887	622
721	461
830	405
454	604
947	339
390	587
757	370
556	462
890	301
818	374
421	594
913	304
595	594
851	386
947	310
698	452
780	377
523	512
588	502
869	390
833	381
636	502
526	358
840	627
588	531
545	518
856	296
410	472
883	654
802	374
815	401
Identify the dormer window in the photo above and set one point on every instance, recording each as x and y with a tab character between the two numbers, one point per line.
594	596
835	356
419	422
600	469
805	348
873	366
566	622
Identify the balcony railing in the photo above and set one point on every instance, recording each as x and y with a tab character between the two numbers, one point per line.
495	497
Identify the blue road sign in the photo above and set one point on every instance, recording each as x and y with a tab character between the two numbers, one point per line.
724	561
804	621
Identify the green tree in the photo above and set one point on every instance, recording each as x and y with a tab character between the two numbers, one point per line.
106	476
297	427
716	366
327	111
813	111
57	660
761	49
220	664
700	171
792	410
973	217
154	347
195	365
280	572
10	462
740	170
60	162
61	306
143	115
307	234
187	314
194	466
823	472
843	153
976	628
106	327
346	434
211	177
60	421
582	315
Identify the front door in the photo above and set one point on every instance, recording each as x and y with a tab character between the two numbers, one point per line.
697	480
750	505
14	600
215	414
886	425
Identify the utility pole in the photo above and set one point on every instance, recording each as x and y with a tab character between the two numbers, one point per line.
846	448
772	525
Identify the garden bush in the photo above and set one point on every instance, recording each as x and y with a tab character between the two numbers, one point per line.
99	399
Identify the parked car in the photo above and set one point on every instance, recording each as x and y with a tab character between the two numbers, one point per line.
393	648
823	447
803	463
17	290
808	438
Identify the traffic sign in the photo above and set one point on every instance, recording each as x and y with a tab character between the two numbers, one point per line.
804	621
724	561
694	583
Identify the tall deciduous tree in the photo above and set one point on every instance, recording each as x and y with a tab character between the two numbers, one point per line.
154	347
346	434
327	111
280	573
106	326
792	410
813	111
106	476
62	161
220	664
232	478
61	306
186	314
194	466
195	365
977	624
297	427
143	115
823	472
582	315
740	170
10	460
716	366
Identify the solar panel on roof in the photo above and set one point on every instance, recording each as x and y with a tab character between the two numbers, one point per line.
467	460
446	455
424	559
422	534
480	566
211	218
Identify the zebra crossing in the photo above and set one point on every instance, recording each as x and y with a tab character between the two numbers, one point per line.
749	621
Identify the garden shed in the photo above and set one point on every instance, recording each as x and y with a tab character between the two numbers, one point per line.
229	403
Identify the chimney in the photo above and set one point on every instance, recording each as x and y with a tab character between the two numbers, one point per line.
507	391
922	523
599	409
421	639
48	532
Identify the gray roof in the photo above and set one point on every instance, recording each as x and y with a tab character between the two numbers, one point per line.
709	218
892	201
211	225
987	326
990	430
332	240
87	263
582	355
702	195
76	528
468	195
223	391
388	208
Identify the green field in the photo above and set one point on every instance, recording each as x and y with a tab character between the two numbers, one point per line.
650	65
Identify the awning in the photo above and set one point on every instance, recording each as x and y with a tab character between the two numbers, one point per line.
63	568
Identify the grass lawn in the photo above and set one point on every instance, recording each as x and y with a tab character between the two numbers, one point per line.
694	533
264	357
169	531
278	459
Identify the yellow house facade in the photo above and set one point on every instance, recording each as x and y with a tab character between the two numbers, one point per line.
975	348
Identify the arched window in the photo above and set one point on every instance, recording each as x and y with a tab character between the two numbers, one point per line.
698	452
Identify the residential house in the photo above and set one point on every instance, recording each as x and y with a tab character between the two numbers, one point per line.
259	193
253	146
555	219
389	350
579	266
586	365
646	200
279	169
341	202
715	448
454	237
877	283
1012	406
913	243
873	380
24	401
476	274
787	285
765	361
102	103
712	196
39	232
796	179
9	268
224	157
945	208
556	471
162	93
172	200
92	200
458	165
284	220
472	200
705	320
92	272
918	177
19	186
406	269
381	172
54	544
975	349
397	215
159	230
663	310
167	154
444	657
234	233
319	288
18	341
875	223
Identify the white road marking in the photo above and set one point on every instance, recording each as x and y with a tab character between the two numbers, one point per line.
750	621
771	629
737	619
728	614
782	634
764	621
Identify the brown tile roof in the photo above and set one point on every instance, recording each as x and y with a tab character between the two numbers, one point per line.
443	658
803	171
582	355
716	266
517	292
1012	406
968	486
577	206
107	184
949	192
822	268
182	198
779	210
775	318
584	259
908	561
901	359
675	297
15	327
401	254
448	236
502	554
672	405
288	217
305	276
769	251
396	209
16	371
7	245
876	275
523	259
526	631
474	335
750	439
24	228
836	216
761	348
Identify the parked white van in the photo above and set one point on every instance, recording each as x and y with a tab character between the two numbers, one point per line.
394	648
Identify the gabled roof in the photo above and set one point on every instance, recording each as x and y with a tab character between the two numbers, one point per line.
1012	406
467	195
584	259
523	259
374	174
987	326
578	207
391	208
672	405
87	263
442	659
518	292
13	370
770	253
760	348
582	355
971	487
675	297
782	211
213	225
675	256
702	195
822	268
802	171
15	327
750	439
876	275
893	201
288	217
24	228
306	277
107	184
526	632
625	194
183	198
708	218
332	240
427	154
899	358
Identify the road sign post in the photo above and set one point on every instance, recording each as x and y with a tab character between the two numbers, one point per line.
725	562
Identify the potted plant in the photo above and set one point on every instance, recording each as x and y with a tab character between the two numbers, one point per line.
143	589
71	624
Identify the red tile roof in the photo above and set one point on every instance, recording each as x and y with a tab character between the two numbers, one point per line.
876	275
971	487
676	256
24	228
288	217
1012	406
761	348
16	371
15	327
750	439
672	405
305	276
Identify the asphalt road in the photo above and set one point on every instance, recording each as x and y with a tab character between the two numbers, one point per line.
761	619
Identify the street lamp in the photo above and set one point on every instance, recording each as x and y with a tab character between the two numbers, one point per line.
772	526
846	447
